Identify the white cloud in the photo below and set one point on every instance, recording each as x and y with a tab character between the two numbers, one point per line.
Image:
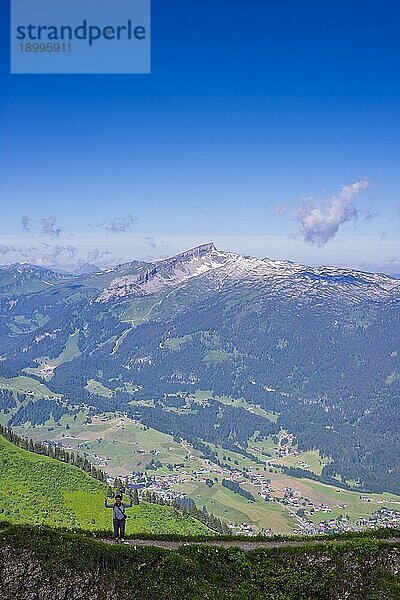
320	224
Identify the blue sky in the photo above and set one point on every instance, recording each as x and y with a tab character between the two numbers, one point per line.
271	128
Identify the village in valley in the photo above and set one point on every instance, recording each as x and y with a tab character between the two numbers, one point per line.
250	497
299	508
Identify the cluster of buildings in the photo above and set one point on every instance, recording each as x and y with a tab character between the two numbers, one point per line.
338	525
381	518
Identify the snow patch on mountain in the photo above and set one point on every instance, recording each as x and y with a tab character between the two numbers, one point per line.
215	269
167	273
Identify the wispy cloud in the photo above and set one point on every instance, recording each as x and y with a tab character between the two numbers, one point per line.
46	226
26	222
281	209
50	227
43	254
151	242
50	255
320	223
370	216
5	250
17	252
97	256
120	224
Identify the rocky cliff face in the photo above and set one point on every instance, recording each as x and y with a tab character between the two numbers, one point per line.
24	577
40	564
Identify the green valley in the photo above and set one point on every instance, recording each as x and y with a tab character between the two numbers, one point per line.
123	446
203	378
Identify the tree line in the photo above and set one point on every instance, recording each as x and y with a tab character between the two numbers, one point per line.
55	452
188	507
235	487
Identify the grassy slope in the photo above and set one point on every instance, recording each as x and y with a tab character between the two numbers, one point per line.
47	365
23	384
38	489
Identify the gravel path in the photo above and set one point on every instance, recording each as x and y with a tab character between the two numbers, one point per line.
244	545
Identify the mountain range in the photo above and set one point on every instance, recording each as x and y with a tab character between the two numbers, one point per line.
317	346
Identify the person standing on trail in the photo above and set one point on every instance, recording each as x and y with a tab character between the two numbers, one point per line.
119	516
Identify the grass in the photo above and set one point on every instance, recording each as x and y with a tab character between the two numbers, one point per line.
126	445
201	395
266	449
139	310
216	357
355	506
95	387
38	489
311	458
233	507
360	568
175	344
25	384
242	403
46	367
